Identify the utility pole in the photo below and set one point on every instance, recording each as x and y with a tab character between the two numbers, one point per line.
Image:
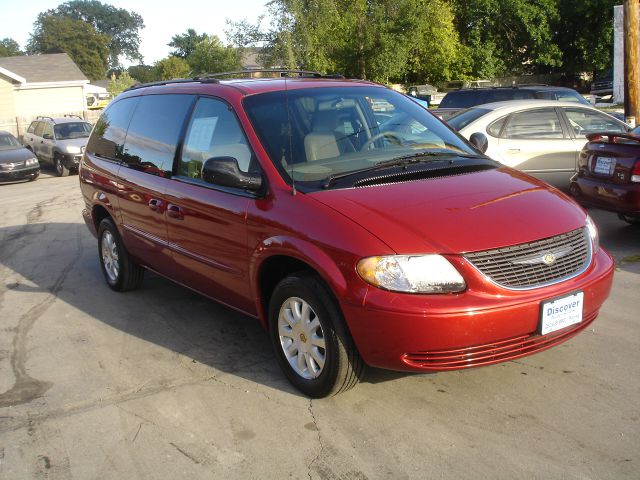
631	80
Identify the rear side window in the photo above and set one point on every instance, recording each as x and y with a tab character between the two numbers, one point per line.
534	124
32	127
499	95
154	131
39	129
108	136
213	132
584	121
463	99
562	96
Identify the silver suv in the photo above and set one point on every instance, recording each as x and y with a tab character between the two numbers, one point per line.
58	141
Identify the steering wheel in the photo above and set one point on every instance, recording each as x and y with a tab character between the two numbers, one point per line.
392	136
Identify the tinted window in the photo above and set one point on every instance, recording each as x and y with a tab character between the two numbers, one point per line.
534	124
501	95
584	121
213	131
463	99
108	137
153	133
462	119
562	96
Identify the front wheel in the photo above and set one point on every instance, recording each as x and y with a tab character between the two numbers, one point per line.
311	341
120	272
61	169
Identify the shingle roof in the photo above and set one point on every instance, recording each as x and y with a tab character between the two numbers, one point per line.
53	67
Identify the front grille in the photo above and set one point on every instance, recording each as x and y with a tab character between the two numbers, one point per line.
11	166
495	352
523	266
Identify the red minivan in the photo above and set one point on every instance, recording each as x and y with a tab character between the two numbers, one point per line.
356	236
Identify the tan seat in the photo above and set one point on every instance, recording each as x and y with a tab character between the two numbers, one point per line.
321	142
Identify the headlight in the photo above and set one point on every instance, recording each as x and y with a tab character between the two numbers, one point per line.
593	233
31	162
411	274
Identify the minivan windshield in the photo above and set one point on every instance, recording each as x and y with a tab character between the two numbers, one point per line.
319	133
69	130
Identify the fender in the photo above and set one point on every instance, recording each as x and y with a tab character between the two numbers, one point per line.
303	251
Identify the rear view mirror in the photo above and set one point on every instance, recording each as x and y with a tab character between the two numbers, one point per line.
480	141
224	171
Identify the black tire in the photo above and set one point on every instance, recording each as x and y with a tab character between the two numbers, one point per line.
343	367
129	275
59	165
629	219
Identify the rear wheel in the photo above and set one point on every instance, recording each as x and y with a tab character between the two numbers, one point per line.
629	219
310	339
119	271
58	162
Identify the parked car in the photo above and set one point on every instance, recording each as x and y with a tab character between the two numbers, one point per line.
426	93
354	242
16	162
458	100
608	174
542	138
602	85
58	141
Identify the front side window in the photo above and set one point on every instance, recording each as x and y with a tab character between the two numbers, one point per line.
322	132
47	131
534	124
67	131
213	132
584	121
154	131
108	137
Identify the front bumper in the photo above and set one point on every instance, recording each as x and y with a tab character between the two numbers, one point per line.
71	160
621	198
20	174
481	326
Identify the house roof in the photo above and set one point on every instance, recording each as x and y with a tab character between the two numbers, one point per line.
53	67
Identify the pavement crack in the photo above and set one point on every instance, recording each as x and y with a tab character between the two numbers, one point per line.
315	423
186	454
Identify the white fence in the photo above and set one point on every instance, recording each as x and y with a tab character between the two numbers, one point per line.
18	125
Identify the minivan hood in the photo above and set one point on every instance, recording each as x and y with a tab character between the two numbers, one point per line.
463	213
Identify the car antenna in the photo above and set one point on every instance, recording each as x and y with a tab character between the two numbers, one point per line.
286	99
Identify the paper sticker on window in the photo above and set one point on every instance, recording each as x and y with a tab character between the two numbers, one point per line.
201	133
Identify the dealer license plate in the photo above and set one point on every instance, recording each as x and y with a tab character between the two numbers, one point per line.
561	312
604	165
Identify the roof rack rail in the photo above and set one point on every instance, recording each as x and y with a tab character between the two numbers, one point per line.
168	82
44	117
283	72
531	85
68	115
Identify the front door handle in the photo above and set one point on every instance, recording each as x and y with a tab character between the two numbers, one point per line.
513	150
156	205
174	211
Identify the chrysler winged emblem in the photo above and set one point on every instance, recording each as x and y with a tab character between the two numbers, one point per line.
548	258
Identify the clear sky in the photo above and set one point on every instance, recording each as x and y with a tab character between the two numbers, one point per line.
162	19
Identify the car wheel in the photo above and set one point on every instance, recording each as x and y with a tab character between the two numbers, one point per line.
312	344
61	169
119	271
629	219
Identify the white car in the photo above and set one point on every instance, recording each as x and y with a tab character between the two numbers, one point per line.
542	138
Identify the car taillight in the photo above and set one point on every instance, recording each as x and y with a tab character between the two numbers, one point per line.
635	173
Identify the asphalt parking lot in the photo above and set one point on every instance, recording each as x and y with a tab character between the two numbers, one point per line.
163	383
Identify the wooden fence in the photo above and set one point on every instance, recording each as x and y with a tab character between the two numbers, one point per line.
18	125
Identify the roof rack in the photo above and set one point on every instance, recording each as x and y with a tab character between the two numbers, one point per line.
44	117
73	116
167	82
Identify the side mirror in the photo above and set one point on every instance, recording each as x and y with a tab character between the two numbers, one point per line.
224	171
47	136
480	141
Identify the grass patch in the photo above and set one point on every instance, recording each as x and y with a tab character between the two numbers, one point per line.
631	259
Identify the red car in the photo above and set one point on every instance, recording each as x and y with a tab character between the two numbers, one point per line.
355	238
608	174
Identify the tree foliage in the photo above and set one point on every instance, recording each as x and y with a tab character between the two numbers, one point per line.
211	55
9	48
119	84
142	73
86	47
119	25
186	43
170	68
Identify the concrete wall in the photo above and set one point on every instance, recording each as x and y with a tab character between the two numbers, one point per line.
60	99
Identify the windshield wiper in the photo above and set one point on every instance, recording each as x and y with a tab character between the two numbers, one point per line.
419	157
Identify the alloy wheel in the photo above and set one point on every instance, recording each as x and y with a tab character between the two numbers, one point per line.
110	257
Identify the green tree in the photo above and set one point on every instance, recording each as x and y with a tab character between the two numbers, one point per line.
86	47
143	73
210	55
508	36
121	26
9	48
170	68
185	44
119	84
585	31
